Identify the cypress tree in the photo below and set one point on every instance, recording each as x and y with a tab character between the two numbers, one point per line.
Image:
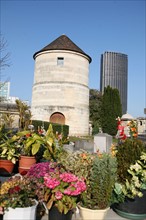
111	108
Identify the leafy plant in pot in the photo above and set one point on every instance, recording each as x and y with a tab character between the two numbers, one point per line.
9	153
130	197
128	152
97	198
31	143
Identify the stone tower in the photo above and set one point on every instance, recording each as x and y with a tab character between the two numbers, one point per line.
60	91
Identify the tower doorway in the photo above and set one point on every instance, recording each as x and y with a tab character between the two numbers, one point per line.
58	118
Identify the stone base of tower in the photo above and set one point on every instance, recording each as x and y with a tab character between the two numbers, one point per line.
76	118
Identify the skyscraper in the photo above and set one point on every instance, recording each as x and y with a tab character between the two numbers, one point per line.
114	72
5	89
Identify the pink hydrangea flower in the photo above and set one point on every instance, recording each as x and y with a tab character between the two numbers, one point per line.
58	195
51	182
68	177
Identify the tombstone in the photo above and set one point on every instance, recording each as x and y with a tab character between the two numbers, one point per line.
102	142
86	145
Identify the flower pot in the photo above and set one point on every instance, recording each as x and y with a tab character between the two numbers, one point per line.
25	162
92	214
132	208
27	213
54	214
6	167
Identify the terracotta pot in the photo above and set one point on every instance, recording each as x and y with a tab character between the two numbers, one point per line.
6	167
25	162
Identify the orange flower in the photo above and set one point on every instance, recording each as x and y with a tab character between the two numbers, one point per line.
84	156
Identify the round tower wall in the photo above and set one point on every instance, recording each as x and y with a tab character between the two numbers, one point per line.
62	88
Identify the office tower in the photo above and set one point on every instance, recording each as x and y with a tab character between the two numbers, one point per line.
5	90
114	72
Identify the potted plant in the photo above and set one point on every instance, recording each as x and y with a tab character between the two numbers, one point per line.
58	189
17	199
96	200
128	153
35	146
9	153
100	172
130	196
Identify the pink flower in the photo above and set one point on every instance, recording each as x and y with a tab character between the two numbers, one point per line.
68	177
75	188
51	182
58	195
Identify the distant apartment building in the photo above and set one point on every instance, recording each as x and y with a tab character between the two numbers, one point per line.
114	72
5	90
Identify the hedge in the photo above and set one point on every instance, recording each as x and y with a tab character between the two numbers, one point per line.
64	129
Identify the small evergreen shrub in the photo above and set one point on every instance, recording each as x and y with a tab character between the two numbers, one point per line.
102	180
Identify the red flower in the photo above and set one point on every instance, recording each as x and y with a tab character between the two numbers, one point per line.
15	189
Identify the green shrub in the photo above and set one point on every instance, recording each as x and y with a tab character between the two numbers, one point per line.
102	180
64	129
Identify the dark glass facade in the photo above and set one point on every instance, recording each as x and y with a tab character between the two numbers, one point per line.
114	72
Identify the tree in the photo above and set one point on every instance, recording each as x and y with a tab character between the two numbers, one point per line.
7	119
4	60
24	114
95	98
111	108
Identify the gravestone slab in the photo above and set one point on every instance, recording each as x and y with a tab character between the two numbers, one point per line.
102	142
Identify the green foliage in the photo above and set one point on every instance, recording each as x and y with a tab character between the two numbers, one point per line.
127	153
24	114
136	183
103	177
30	142
111	108
9	149
49	145
94	106
78	162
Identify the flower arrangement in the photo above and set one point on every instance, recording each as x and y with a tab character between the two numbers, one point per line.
16	192
62	190
100	172
55	186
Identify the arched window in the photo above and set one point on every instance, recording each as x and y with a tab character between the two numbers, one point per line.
58	118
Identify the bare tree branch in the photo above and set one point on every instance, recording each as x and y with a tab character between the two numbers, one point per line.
4	55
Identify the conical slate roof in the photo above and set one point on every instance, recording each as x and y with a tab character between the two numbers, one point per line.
63	43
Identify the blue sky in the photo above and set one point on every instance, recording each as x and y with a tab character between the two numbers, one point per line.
95	26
